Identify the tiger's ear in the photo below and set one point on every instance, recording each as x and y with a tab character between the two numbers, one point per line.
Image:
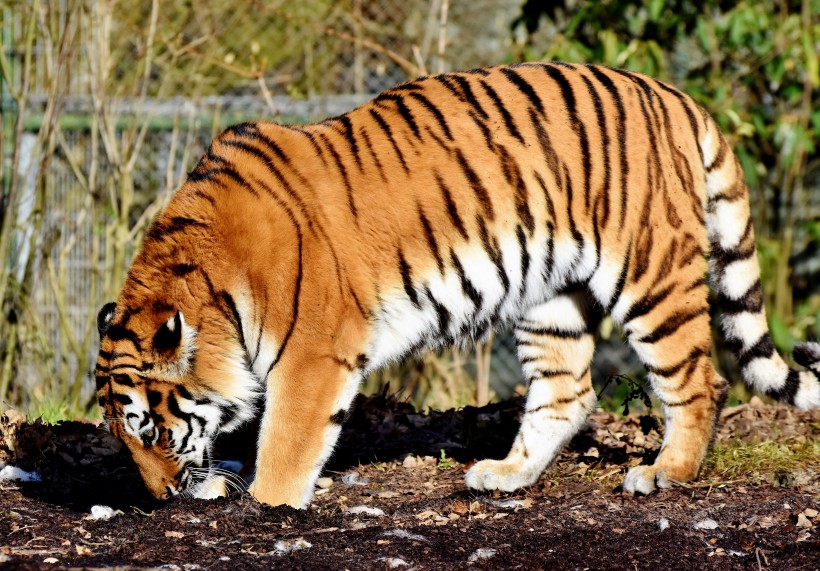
104	317
169	335
174	341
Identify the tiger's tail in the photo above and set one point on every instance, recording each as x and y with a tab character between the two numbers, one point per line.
735	275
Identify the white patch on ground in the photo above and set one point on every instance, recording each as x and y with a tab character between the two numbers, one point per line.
354	479
404	534
663	524
393	562
15	473
481	554
99	512
512	503
706	524
365	510
283	547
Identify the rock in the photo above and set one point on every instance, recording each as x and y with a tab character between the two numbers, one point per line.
803	521
324	483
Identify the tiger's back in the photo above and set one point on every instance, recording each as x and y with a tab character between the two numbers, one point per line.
538	196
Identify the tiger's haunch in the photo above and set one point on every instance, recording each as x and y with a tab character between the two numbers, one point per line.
296	260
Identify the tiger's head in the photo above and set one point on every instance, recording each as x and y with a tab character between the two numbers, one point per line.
152	400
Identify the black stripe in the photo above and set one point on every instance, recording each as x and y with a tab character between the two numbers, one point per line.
451	207
119	333
694	355
205	196
351	139
166	227
445	80
485	131
122	399
343	171
524	87
297	294
369	145
469	96
431	240
672	324
619	285
762	349
435	112
233	316
181	270
475	183
466	285
525	258
312	140
542	374
548	257
442	314
621	128
684	101
389	134
502	109
403	110
549	331
577	125
404	269
751	301
512	174
547	197
789	390
490	244
690	400
601	116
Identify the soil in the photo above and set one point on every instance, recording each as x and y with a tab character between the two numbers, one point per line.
389	499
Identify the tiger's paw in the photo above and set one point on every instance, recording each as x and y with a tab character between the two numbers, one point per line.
506	475
645	479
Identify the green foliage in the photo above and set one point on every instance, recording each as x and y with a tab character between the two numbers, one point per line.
445	463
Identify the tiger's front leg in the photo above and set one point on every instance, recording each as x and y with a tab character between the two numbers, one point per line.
305	404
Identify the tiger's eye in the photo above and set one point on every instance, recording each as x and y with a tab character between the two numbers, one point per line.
151	435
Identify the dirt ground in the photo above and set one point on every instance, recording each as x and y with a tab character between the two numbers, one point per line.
390	500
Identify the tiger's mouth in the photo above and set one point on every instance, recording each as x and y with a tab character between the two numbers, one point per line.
228	467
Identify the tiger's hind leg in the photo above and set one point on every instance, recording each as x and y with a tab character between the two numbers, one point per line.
669	329
555	347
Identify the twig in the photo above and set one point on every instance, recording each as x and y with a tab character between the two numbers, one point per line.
442	34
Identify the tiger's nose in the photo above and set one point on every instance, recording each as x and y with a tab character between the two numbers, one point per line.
170	493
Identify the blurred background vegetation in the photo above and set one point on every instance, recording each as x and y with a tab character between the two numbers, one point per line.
106	104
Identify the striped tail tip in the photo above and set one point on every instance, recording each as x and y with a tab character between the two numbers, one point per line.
807	393
808	355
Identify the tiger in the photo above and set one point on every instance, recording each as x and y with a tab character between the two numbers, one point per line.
540	197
